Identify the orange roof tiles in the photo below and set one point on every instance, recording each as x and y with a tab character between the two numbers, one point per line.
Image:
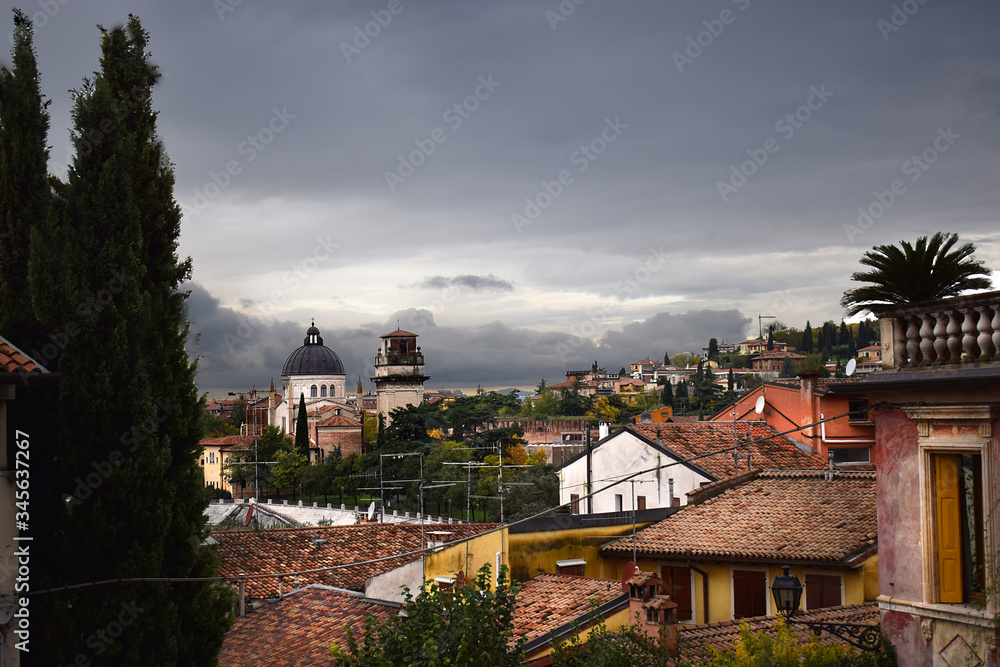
550	601
775	516
690	439
299	629
340	420
13	360
296	549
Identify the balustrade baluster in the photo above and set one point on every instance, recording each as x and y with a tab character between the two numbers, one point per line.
940	337
912	341
926	339
899	342
995	324
954	336
969	348
984	340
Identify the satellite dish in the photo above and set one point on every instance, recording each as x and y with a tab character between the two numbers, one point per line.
851	365
627	574
759	405
371	511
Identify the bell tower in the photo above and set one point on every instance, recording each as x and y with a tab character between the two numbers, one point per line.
399	372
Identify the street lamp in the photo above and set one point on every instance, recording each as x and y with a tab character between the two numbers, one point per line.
787	592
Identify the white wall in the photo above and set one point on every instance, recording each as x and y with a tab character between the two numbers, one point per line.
619	457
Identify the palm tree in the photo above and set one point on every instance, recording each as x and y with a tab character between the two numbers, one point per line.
925	271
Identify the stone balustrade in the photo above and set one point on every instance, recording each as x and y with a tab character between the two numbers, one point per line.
948	331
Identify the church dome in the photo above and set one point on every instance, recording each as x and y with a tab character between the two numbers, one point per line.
313	358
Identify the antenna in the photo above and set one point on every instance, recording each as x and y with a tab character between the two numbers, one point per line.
760	326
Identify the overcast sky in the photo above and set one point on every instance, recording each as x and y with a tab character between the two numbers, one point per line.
533	186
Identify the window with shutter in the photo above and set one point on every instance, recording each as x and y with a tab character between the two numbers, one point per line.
749	593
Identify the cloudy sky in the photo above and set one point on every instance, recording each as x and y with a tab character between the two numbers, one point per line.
532	186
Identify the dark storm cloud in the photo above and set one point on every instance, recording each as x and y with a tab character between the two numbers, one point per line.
488	283
237	349
743	153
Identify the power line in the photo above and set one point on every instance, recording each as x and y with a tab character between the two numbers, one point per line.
466	540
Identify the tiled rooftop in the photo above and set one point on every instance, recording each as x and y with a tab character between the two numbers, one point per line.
299	629
296	549
339	420
822	384
13	360
549	601
775	516
689	439
724	635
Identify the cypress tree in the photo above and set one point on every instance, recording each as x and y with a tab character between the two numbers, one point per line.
24	189
730	381
128	406
302	428
807	339
667	394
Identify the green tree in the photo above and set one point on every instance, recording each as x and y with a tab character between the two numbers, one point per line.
713	349
469	625
24	190
302	428
788	368
807	344
628	645
622	372
928	270
115	233
287	470
667	394
680	360
730	381
238	415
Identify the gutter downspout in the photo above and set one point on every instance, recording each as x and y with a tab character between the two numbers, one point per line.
851	441
590	474
704	590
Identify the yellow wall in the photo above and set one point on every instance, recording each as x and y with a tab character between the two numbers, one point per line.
612	622
534	553
450	560
212	471
860	584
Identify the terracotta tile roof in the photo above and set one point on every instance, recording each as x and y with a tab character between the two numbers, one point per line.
398	332
13	360
238	441
340	420
775	516
550	601
822	384
295	549
723	635
689	439
299	629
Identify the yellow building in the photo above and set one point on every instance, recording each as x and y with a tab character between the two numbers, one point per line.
719	556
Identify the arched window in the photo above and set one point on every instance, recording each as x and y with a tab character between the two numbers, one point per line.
333	390
322	390
312	391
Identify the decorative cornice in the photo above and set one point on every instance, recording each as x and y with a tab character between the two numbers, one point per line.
969	413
